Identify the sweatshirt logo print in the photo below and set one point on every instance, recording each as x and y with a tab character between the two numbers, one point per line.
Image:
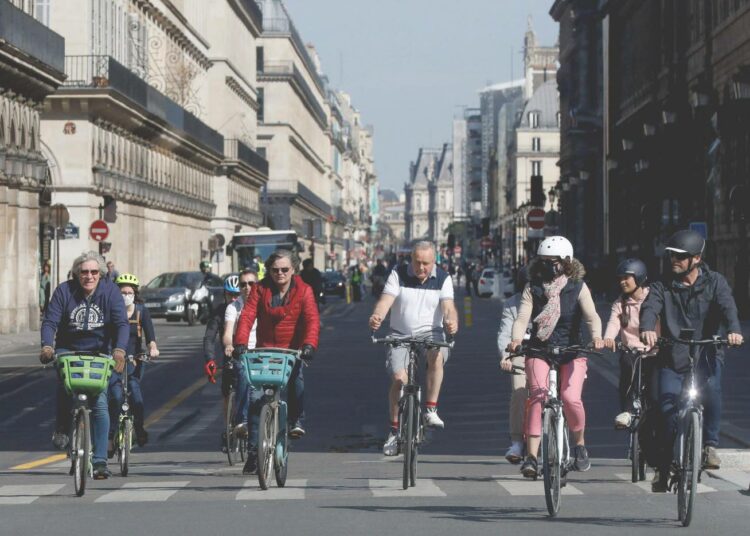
79	321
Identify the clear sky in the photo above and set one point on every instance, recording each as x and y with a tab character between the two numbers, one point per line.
411	64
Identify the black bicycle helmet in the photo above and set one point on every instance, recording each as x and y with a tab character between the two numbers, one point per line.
634	267
686	241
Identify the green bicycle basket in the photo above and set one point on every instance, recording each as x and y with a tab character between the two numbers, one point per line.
268	368
86	374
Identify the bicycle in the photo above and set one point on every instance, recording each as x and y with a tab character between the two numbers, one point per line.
639	413
84	375
556	462
411	427
688	446
236	445
269	369
123	439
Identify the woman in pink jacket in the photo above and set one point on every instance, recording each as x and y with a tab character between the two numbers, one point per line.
624	321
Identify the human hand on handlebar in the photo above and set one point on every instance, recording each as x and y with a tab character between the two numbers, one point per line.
513	346
598	343
119	356
451	326
153	351
375	321
610	344
228	350
649	338
46	355
506	364
735	339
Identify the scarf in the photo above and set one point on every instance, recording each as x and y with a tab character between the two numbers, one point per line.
547	319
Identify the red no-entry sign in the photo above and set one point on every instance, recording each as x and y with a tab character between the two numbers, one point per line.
535	218
99	230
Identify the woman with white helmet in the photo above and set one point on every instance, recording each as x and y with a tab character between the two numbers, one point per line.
556	301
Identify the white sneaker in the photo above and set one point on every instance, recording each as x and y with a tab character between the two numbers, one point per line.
623	420
432	420
514	454
390	448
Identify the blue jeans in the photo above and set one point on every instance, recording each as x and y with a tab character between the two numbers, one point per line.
116	398
295	396
243	395
670	389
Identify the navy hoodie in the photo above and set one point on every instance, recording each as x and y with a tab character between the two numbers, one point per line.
98	323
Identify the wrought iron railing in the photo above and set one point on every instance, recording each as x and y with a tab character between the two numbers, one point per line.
255	13
236	150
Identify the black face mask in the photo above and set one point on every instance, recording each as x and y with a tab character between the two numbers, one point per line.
549	269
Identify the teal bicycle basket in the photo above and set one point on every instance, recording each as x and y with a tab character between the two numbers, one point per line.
269	367
87	374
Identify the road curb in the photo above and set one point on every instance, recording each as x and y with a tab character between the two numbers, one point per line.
732	459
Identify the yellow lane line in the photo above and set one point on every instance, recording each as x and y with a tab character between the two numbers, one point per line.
179	398
152	419
37	463
468	317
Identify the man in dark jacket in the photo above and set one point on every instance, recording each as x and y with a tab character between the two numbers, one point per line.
86	314
693	298
313	278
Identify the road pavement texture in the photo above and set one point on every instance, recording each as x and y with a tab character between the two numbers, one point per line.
339	481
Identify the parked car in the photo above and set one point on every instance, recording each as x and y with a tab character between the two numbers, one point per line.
486	284
334	282
507	284
168	296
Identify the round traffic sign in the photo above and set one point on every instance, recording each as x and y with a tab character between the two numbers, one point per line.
99	230
59	215
535	218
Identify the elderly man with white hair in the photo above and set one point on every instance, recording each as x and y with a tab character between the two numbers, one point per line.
86	314
419	296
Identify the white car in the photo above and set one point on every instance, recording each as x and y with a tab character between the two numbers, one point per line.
486	284
507	285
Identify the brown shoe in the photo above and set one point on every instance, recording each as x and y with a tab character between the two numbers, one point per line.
711	458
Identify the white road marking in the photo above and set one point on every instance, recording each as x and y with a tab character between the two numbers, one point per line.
26	494
645	485
144	492
735	476
393	488
519	485
294	489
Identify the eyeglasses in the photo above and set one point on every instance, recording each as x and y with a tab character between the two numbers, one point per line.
679	256
92	273
244	284
283	270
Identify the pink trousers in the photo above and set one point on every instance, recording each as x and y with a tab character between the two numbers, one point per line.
570	380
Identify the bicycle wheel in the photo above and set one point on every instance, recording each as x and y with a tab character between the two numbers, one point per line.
266	445
232	440
407	438
689	468
280	469
126	441
81	450
415	447
551	461
635	455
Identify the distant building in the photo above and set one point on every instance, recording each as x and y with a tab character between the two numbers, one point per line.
429	195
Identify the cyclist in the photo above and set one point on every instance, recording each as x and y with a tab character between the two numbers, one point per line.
213	336
313	278
420	298
632	276
86	314
140	326
694	297
246	282
519	393
556	300
287	316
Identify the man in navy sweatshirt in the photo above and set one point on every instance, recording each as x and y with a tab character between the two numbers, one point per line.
86	314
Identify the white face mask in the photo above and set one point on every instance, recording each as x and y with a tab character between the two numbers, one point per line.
129	299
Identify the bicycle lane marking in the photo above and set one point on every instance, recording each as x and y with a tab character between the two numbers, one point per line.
519	485
152	419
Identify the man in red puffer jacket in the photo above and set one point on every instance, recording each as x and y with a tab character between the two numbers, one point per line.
287	317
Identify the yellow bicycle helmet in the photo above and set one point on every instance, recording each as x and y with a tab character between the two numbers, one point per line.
127	279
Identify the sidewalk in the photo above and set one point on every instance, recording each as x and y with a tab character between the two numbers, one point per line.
13	342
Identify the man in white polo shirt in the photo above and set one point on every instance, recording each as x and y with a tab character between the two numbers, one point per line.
420	298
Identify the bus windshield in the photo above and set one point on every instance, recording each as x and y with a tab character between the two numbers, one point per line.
249	245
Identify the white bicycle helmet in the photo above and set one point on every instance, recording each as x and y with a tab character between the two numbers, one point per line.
556	246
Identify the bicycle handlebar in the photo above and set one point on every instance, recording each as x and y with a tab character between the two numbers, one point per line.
554	350
408	341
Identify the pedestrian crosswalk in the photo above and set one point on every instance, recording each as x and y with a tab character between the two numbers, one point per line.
226	487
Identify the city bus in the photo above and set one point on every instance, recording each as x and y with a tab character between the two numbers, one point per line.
246	246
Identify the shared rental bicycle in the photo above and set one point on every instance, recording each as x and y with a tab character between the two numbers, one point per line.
411	427
688	446
123	438
269	369
235	436
556	461
85	376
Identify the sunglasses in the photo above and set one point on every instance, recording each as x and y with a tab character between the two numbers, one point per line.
679	256
244	284
92	273
283	270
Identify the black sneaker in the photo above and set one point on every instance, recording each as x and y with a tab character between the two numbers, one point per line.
141	436
659	482
529	467
582	462
101	472
224	447
296	431
251	464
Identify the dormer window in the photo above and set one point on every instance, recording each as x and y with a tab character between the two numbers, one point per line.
534	119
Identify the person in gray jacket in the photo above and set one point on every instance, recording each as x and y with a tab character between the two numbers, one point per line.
519	393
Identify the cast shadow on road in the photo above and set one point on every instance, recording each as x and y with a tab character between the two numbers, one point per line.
484	514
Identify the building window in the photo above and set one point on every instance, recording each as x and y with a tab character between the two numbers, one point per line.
558	119
442	201
41	11
261	111
534	119
536	144
536	168
419	204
